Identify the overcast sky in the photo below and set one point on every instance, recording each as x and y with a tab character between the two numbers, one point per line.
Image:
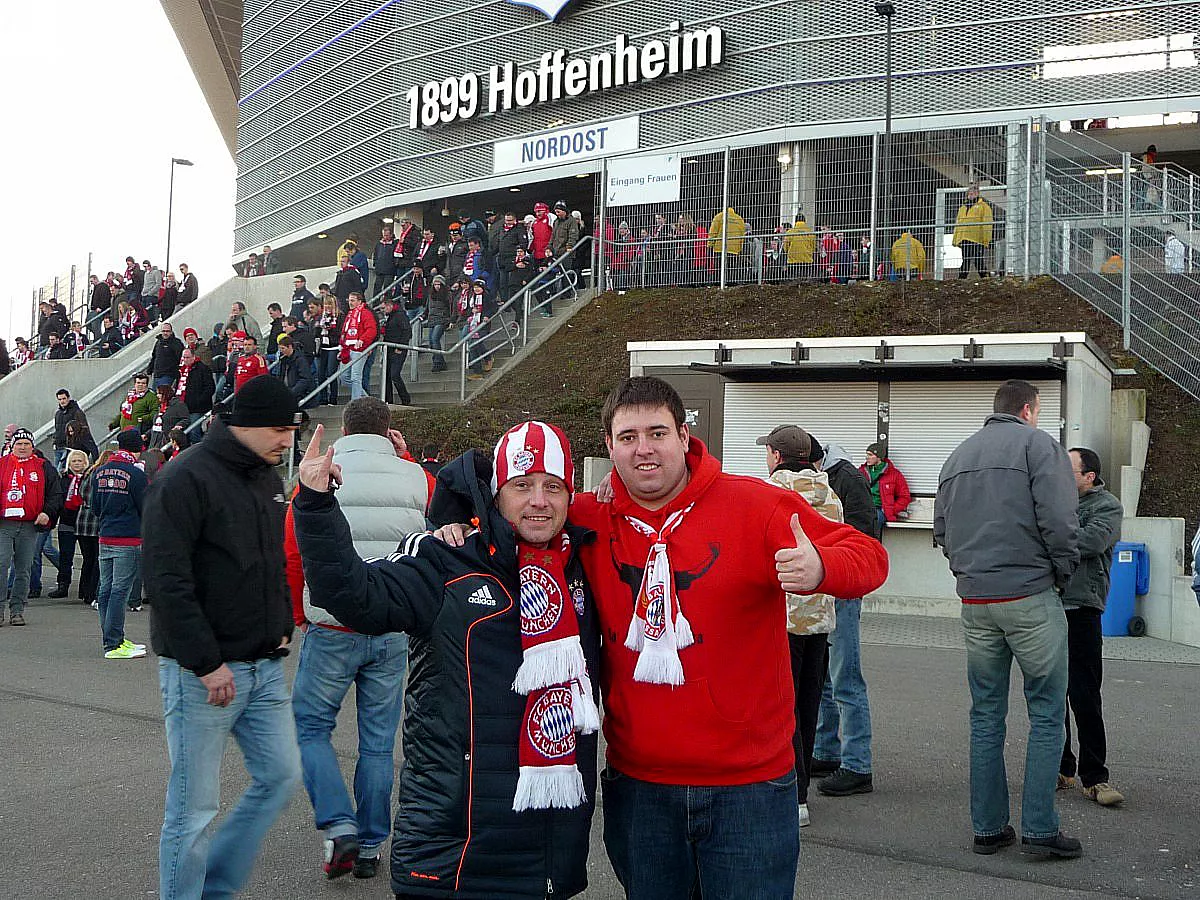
98	98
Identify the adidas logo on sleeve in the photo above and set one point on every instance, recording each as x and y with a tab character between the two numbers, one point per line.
482	596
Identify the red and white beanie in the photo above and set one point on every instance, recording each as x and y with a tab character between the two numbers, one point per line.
532	447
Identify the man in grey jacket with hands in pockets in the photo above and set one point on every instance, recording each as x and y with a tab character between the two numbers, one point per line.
1006	518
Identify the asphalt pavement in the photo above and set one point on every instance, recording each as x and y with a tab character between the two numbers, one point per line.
84	767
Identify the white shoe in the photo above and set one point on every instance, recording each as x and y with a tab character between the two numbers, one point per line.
805	821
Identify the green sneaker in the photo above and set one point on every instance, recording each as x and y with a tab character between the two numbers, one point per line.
130	644
124	652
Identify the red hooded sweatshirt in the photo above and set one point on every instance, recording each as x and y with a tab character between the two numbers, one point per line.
732	721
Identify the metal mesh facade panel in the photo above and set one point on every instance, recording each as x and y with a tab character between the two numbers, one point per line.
323	135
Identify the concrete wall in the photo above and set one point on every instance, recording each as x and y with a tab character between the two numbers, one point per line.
27	395
919	580
1170	607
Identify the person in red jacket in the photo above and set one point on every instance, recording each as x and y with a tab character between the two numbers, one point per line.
889	489
689	571
250	364
359	330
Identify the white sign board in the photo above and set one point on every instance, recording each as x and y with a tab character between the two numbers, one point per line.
643	179
566	145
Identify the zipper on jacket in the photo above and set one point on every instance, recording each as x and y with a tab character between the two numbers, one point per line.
549	887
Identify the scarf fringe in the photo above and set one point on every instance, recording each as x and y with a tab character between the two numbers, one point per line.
659	668
548	664
549	787
683	631
635	637
583	707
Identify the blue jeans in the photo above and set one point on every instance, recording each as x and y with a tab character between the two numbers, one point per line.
330	662
193	862
119	570
845	708
43	546
352	375
677	842
366	371
1034	631
18	543
326	366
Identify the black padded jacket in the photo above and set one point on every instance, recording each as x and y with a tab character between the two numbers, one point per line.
455	833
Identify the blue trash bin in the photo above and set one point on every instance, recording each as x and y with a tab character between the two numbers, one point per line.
1130	578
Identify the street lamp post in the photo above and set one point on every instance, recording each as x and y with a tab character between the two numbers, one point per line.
887	9
175	161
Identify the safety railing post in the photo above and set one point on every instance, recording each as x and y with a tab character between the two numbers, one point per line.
724	225
1126	255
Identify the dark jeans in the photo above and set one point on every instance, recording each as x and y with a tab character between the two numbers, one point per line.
810	661
89	574
677	842
381	281
66	556
327	365
973	254
1085	672
395	377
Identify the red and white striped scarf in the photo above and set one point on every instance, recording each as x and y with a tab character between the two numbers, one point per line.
553	676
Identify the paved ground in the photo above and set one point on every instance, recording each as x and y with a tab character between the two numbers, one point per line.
84	769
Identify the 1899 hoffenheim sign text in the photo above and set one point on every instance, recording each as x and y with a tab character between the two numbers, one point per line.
458	98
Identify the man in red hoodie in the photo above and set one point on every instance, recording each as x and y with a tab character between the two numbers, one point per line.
689	570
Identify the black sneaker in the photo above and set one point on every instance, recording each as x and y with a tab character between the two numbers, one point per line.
16	619
366	867
58	593
822	767
340	855
843	783
1059	846
34	593
989	844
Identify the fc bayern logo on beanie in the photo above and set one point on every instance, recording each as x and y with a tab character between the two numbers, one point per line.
532	447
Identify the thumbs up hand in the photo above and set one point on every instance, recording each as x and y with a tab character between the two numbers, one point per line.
799	568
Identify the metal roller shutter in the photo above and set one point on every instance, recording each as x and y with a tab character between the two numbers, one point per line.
929	419
840	412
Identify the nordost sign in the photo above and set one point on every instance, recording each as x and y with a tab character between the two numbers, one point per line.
567	145
506	86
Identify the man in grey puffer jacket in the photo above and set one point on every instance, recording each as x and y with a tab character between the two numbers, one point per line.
1100	515
1005	516
384	498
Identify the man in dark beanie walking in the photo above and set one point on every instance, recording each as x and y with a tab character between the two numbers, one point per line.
221	621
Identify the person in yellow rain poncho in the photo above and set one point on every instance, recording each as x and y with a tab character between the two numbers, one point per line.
908	257
973	232
733	227
800	244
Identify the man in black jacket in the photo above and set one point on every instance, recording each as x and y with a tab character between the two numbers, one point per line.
301	336
300	297
385	261
196	386
100	305
464	824
842	752
68	410
295	369
396	329
189	289
110	338
510	248
164	358
221	622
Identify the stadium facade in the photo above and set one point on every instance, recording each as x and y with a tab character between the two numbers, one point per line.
350	110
